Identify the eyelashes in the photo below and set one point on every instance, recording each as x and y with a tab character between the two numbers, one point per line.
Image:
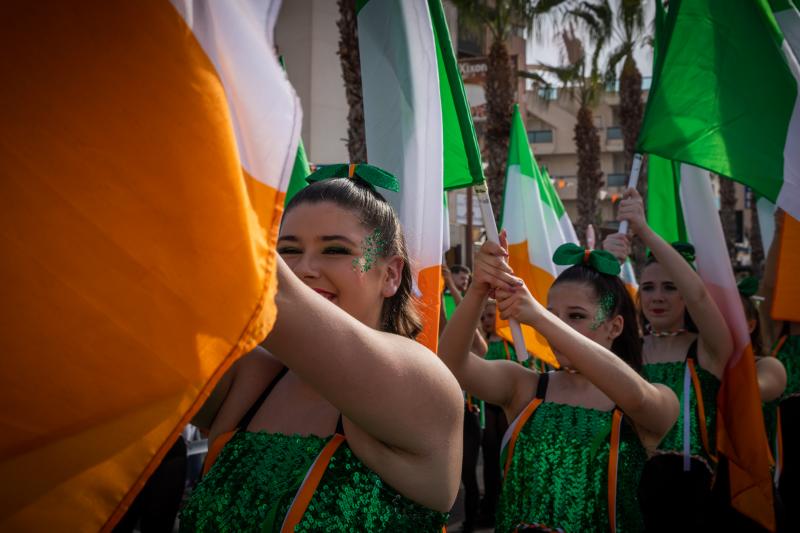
331	250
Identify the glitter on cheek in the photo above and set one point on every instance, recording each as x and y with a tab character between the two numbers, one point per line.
373	247
604	309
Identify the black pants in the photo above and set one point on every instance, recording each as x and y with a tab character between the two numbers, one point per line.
496	426
156	506
674	500
789	483
469	476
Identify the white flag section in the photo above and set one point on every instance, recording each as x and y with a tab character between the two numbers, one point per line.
536	224
403	122
740	423
238	39
788	20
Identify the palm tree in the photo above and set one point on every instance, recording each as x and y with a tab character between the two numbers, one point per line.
582	80
727	213
629	32
351	73
499	18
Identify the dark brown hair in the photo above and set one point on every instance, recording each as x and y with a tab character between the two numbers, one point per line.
628	345
399	314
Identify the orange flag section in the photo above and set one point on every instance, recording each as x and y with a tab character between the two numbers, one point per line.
538	282
137	254
787	283
430	285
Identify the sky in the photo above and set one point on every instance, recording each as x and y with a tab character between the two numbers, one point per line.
546	46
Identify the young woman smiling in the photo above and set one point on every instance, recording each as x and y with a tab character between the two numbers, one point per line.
345	423
687	344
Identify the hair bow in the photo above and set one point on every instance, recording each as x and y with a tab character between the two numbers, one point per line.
748	286
599	260
686	250
373	175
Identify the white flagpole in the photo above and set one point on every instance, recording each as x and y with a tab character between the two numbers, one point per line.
489	224
633	181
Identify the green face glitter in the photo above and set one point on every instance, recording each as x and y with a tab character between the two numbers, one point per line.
372	248
604	308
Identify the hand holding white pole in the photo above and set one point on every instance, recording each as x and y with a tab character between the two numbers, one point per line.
633	181
492	235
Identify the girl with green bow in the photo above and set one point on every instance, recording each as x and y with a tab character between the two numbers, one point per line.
341	422
573	454
686	346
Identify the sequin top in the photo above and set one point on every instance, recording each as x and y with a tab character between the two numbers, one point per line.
672	375
497	350
558	475
789	355
254	479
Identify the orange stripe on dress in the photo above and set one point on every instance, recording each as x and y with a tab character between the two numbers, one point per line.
613	464
215	449
701	410
508	353
309	486
779	345
523	418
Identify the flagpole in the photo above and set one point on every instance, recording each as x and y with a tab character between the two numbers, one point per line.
482	191
633	181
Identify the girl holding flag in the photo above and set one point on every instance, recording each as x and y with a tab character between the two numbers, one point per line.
346	424
571	458
686	346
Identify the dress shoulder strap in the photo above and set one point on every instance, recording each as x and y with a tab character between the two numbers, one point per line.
691	353
541	387
248	416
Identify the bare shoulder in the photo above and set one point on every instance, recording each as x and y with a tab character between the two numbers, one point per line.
239	388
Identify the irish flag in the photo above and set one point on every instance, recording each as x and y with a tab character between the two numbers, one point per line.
726	106
145	149
418	128
722	105
536	223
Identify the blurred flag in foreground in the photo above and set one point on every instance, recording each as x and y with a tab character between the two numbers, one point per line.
146	147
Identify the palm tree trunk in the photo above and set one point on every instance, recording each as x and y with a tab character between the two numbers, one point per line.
756	246
631	110
727	213
351	73
500	80
590	178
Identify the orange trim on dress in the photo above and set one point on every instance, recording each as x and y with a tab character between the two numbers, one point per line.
215	449
508	353
521	421
309	486
701	410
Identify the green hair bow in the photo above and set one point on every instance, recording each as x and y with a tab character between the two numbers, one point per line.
684	248
599	260
748	286
373	175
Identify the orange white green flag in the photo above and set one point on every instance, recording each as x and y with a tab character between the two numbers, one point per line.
536	224
418	127
146	147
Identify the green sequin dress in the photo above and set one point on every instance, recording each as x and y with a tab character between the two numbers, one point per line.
558	475
789	355
255	478
497	351
672	375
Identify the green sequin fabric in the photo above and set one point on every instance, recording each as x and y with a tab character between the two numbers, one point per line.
559	473
252	484
789	355
671	375
497	350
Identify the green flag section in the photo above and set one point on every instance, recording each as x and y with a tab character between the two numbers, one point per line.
462	155
537	224
418	128
664	212
300	172
725	94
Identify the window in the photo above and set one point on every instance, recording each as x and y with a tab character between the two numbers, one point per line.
614	132
616	180
540	136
